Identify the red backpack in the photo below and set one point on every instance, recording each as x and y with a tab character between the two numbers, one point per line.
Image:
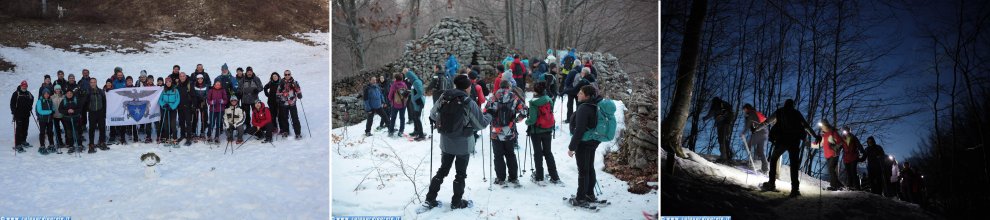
544	118
759	116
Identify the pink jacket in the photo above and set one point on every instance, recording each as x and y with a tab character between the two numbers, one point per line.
396	86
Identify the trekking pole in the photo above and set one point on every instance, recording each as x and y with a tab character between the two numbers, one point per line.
491	151
13	124
249	139
484	177
75	141
525	154
304	117
431	150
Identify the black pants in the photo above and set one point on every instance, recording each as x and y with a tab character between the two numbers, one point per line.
586	169
46	131
876	179
792	147
521	83
247	112
415	117
185	122
57	123
289	112
387	109
833	172
505	157
72	132
265	132
570	105
276	113
21	129
724	131
200	118
371	118
541	149
446	160
852	175
168	125
97	122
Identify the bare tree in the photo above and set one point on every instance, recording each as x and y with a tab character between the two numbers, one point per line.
673	123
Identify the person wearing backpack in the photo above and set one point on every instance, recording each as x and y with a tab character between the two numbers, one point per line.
575	83
372	104
44	108
593	123
518	72
440	82
397	94
416	103
539	68
722	112
507	107
757	138
476	91
541	126
789	128
21	102
457	118
551	81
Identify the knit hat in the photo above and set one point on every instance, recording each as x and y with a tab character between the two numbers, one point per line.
109	80
233	98
24	83
72	75
224	67
200	76
44	90
249	69
118	70
47	76
58	87
144	73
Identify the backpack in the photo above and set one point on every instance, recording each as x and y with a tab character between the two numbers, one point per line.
760	116
517	70
544	116
401	95
605	130
452	115
506	111
551	84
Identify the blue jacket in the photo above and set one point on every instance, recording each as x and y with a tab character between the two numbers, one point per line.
372	97
417	96
119	83
452	66
169	97
227	81
44	107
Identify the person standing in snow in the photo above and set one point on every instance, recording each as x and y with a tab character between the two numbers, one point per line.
271	91
894	183
44	108
201	72
584	119
507	108
757	138
70	113
201	113
416	103
47	84
233	120
169	101
831	144
149	128
518	72
373	104
789	128
187	126
96	106
21	102
876	161
722	111
440	82
216	99
289	93
57	98
850	158
248	89
229	82
398	93
60	81
458	118
574	84
541	125
452	66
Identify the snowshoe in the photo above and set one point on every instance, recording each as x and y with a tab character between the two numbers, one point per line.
266	141
794	194
419	138
462	204
238	141
43	151
27	145
53	149
72	150
123	142
367	134
103	146
500	182
767	186
188	142
514	183
427	206
538	182
298	137
147	140
581	204
555	181
92	148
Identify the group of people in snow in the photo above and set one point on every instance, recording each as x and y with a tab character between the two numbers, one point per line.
788	128
464	104
193	108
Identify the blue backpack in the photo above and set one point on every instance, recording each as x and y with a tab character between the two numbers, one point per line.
605	130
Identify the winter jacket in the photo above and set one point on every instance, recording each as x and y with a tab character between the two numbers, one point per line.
117	83
84	87
507	132
71	86
850	154
534	112
228	82
289	92
751	123
584	119
541	68
49	86
201	90
169	98
568	60
394	91
67	104
44	108
507	76
187	97
372	97
57	102
416	100
216	99
438	81
462	142
249	87
515	67
507	61
452	66
21	102
478	92
260	117
577	82
271	91
895	173
876	158
829	140
206	78
233	117
96	101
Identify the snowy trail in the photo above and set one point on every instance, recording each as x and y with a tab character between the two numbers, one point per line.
358	189
258	181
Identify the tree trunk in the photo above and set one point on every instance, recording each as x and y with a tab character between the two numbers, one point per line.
357	47
546	25
413	17
673	124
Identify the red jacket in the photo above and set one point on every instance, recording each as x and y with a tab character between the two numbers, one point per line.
481	94
516	75
261	117
498	81
829	151
850	154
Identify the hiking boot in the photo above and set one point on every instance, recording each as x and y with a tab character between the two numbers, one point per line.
554	181
767	186
72	150
298	136
92	149
499	182
103	146
267	140
431	204
419	138
535	178
460	204
367	134
795	193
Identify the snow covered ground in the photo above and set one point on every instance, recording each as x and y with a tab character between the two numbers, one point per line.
736	188
380	176
289	180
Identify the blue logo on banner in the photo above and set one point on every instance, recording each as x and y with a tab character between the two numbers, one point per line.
136	109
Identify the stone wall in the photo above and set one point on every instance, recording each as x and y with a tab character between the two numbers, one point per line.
348	110
612	81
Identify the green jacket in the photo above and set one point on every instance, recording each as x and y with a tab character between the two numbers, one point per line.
534	109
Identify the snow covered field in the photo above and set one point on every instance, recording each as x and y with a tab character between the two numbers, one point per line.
376	176
287	181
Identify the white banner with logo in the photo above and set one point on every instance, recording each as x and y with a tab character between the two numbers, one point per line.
133	106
